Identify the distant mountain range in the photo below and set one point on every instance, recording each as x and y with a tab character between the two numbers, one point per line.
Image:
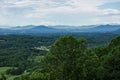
102	28
31	29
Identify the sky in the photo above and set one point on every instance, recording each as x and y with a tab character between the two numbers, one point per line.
59	12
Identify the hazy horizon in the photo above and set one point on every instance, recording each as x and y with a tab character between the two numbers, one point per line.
62	26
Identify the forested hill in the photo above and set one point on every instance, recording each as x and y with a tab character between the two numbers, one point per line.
45	30
68	58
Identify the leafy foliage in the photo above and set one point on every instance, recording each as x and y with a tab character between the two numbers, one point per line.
69	58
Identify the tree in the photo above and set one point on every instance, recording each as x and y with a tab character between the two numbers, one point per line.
111	64
3	77
110	60
69	59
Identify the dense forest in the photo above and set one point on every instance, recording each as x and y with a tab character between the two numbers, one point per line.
76	57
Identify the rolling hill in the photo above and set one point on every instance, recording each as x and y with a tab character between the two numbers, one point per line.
31	29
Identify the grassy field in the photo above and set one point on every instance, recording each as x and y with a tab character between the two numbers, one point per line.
39	58
3	70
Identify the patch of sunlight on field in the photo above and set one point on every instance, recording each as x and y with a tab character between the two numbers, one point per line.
11	77
4	69
39	58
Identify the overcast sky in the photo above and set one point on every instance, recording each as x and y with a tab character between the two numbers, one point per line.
59	12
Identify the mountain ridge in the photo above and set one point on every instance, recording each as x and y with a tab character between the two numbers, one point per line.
31	29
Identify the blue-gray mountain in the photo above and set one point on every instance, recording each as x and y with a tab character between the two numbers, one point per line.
31	29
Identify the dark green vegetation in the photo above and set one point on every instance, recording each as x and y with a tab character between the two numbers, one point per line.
69	58
21	51
16	49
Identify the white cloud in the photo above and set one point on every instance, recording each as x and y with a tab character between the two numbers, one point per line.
43	9
3	20
72	7
111	12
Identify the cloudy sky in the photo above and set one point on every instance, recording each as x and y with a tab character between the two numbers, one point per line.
59	12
